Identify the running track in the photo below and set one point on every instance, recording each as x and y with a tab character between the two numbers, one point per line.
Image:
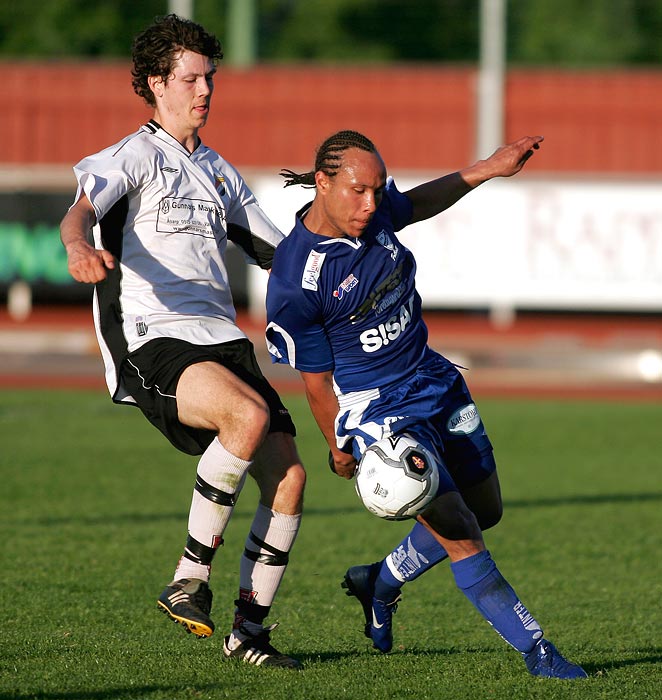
538	355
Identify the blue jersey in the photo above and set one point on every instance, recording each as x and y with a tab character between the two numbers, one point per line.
351	306
348	304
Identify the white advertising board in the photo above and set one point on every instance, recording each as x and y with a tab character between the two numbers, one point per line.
523	243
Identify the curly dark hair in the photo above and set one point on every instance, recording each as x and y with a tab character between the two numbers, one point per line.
156	49
329	156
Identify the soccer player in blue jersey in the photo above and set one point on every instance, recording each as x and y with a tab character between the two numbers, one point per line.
343	309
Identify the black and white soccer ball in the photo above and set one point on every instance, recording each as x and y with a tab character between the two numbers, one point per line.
397	478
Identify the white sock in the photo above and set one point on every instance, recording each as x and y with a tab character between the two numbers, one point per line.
259	581
224	472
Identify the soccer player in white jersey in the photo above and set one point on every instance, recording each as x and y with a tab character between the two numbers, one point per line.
343	309
162	206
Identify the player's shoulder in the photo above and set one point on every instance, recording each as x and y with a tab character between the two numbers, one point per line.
138	142
290	252
296	266
131	146
392	193
301	243
395	207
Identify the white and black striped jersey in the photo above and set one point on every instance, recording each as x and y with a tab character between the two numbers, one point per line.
167	214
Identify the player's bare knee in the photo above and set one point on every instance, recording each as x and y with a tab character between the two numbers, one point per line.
289	491
253	415
285	469
281	487
295	476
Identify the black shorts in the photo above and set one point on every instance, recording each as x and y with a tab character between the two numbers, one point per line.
152	371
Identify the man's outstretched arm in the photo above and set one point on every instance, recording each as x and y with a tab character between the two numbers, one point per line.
431	198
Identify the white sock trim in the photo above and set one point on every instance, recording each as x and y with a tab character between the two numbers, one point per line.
394	571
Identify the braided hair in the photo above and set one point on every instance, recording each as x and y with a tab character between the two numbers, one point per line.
329	157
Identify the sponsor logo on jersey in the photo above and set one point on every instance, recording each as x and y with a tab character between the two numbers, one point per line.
184	215
209	208
390	299
380	298
312	269
376	338
465	420
168	169
191	205
345	286
386	241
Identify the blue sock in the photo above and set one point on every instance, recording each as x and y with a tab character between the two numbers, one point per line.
479	579
418	552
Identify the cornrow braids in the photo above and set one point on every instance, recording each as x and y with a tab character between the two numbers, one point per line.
329	157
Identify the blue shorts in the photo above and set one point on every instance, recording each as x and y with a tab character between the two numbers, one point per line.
436	407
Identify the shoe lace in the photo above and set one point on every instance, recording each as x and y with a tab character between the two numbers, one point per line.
391	607
394	604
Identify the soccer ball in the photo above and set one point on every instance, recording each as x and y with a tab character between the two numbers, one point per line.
397	478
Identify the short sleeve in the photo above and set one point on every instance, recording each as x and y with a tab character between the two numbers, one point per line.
295	334
401	207
106	177
246	214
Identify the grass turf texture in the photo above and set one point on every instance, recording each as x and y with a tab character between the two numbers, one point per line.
93	510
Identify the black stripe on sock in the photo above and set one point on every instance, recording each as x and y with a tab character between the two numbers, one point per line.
211	493
252	611
198	552
275	558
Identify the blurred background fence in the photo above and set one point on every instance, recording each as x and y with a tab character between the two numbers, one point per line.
589	202
580	230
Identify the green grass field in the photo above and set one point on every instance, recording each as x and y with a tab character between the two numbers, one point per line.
93	510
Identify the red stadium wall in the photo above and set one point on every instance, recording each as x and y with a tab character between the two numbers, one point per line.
593	122
421	118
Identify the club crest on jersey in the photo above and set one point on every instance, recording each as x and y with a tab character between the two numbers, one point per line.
386	241
219	184
345	286
312	269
